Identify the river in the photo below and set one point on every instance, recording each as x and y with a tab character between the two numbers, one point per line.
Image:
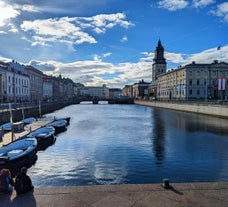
126	144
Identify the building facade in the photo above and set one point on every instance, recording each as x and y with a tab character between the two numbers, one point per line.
96	91
128	91
140	89
15	84
194	81
3	92
36	83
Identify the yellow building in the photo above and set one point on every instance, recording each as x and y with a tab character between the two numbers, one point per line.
194	81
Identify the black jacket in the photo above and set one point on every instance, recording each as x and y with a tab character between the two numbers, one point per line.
23	183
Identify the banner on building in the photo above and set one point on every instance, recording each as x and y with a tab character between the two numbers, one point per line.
159	89
221	84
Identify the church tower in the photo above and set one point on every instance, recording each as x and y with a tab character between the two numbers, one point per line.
159	62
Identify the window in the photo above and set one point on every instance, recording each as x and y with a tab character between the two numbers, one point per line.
205	82
197	82
190	82
190	92
198	92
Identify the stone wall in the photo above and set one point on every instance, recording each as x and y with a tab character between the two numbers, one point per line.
30	112
208	109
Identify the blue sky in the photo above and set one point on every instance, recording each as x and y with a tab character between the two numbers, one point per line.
111	41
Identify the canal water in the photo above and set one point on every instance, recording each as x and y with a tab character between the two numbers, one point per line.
123	144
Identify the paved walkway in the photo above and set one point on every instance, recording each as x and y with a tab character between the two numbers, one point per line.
7	137
148	195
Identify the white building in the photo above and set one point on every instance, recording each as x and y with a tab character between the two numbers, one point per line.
15	85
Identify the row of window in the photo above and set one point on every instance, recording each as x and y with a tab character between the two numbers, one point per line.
213	73
182	93
18	90
17	80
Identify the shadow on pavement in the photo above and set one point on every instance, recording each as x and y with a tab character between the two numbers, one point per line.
5	200
25	200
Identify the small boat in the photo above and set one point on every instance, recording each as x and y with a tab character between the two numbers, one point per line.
29	120
65	118
45	136
59	125
17	151
6	127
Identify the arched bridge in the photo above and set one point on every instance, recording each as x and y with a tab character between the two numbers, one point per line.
113	100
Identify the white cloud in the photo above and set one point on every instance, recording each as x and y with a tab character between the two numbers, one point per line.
202	3
107	54
173	5
124	39
12	28
6	13
174	57
221	11
73	29
96	58
208	56
100	23
26	7
50	30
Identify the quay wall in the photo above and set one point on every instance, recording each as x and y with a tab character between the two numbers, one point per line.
29	112
207	109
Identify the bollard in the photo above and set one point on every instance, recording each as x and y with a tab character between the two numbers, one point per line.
166	183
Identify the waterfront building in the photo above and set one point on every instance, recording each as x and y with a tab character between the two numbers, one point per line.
68	89
36	83
3	69
190	82
114	92
47	88
194	81
15	84
96	91
140	89
128	91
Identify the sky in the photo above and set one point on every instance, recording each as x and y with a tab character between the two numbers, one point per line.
111	42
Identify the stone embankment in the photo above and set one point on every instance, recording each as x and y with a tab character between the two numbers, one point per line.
30	111
207	108
147	195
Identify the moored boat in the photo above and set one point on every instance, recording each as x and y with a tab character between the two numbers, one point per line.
45	136
66	118
18	150
29	120
6	127
59	125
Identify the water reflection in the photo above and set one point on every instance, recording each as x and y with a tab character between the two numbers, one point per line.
158	136
113	144
199	123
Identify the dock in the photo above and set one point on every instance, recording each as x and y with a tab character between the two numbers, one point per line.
7	137
213	194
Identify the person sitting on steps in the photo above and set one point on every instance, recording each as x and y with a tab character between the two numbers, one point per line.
6	182
23	182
